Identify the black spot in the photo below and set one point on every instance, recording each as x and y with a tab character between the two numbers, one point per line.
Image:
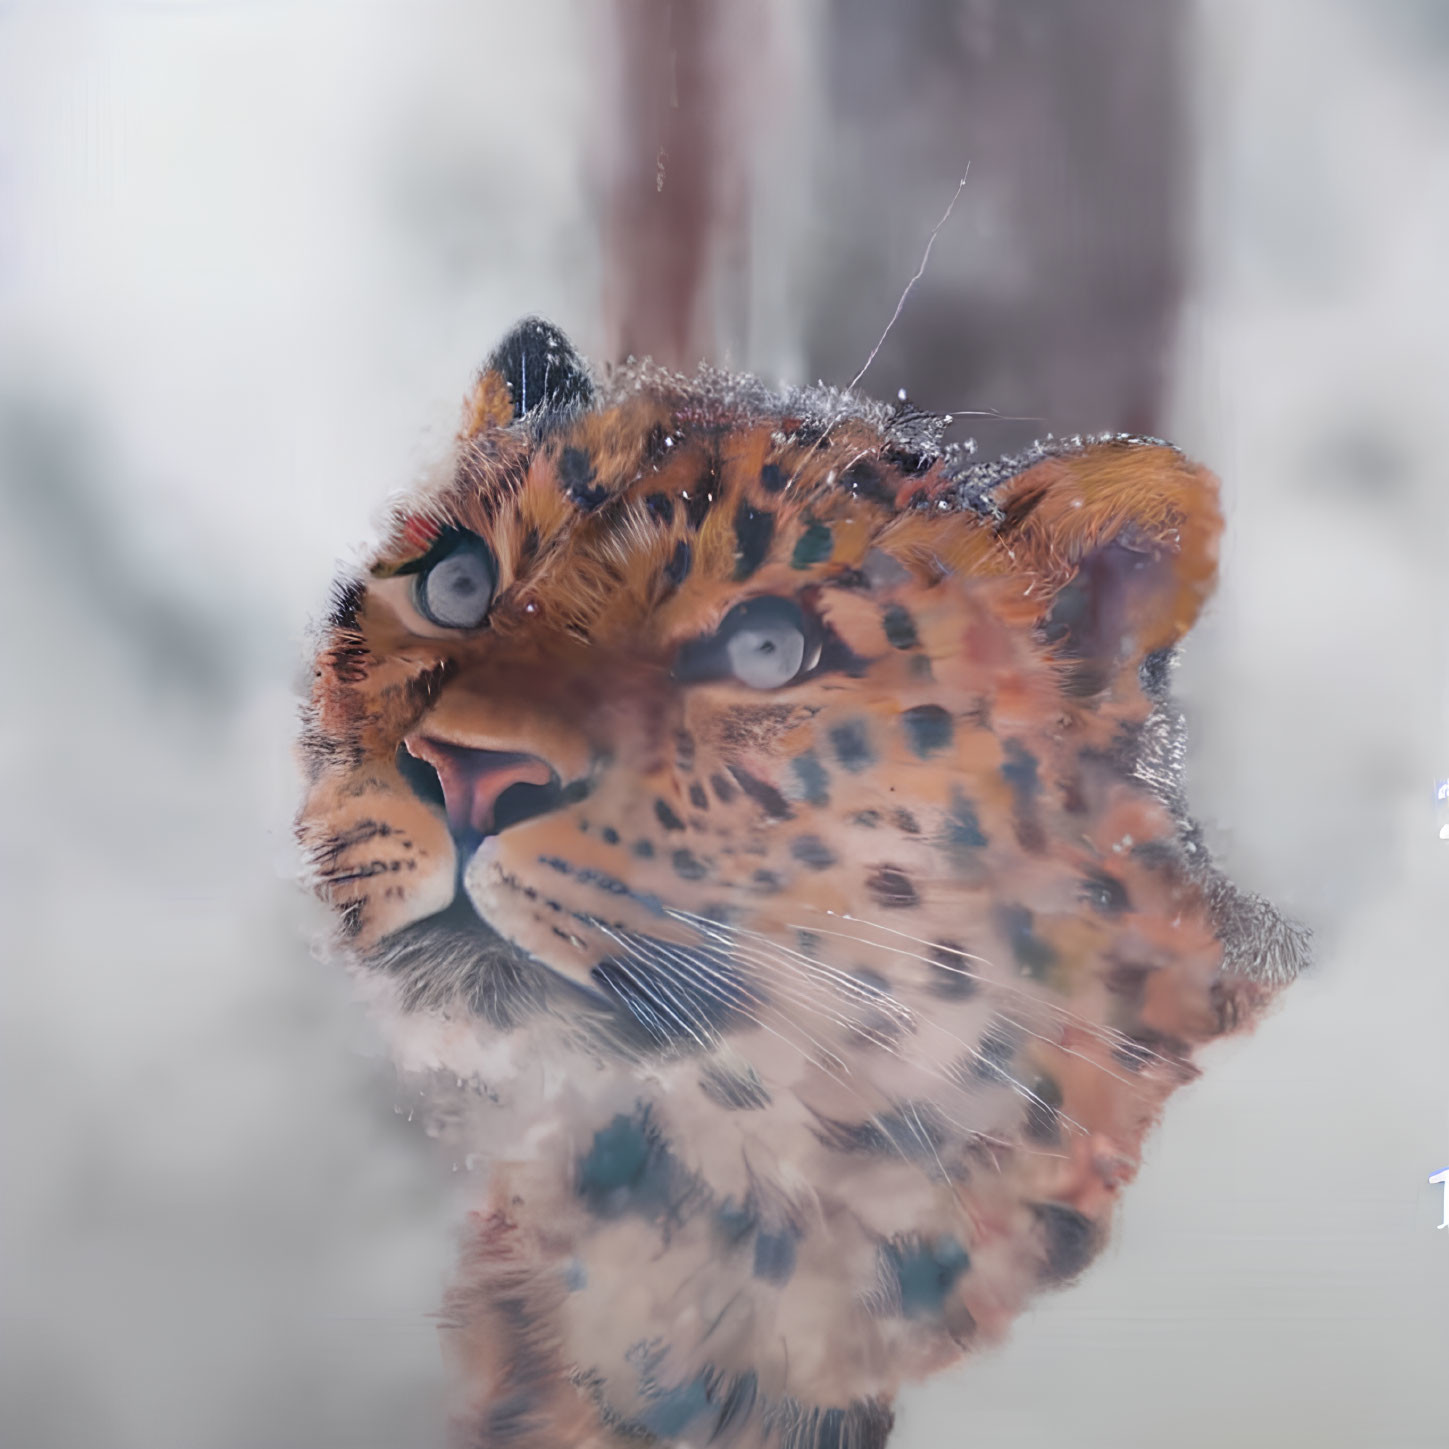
697	797
769	799
813	777
891	887
812	547
1020	772
661	506
923	1273
773	478
868	818
900	628
596	878
702	496
684	749
644	849
765	882
837	657
994	1055
905	822
754	528
1105	894
852	746
689	866
677	569
1034	955
1072	1240
915	1131
1043	1111
627	1169
911	463
952	977
541	368
736	1091
811	851
576	473
667	1414
928	729
775	1256
963	835
864	480
723	790
611	836
667	818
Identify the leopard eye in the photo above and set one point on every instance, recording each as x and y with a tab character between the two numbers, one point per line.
764	643
767	645
455	588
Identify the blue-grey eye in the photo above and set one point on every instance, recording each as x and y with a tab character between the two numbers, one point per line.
764	643
767	651
455	589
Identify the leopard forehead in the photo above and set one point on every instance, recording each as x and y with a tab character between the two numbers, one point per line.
649	515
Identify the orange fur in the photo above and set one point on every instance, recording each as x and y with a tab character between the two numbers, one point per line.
926	940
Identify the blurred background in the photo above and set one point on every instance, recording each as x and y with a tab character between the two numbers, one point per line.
251	252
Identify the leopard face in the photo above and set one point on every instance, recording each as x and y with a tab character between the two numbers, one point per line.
777	818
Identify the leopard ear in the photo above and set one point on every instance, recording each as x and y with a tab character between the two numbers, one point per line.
1119	541
534	369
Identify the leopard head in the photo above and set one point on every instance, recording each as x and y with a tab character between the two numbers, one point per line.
813	790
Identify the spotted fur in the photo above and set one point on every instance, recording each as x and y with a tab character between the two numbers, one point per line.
803	1033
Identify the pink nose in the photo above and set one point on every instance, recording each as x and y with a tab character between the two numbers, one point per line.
473	780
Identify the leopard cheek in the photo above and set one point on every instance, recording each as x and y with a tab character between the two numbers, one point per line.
380	857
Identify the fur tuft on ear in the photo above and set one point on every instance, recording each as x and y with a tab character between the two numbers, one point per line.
535	368
1119	541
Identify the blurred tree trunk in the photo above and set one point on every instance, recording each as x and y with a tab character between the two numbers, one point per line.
1052	292
676	199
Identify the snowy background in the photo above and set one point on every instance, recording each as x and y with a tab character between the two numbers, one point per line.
250	252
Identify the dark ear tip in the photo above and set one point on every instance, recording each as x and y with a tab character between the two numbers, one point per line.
542	368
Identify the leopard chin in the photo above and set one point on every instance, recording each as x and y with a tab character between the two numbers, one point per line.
771	820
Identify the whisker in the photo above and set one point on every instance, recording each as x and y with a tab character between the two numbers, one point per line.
652	994
691	965
874	995
780	955
1102	1033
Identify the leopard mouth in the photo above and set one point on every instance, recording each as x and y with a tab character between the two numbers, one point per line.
652	994
646	1003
